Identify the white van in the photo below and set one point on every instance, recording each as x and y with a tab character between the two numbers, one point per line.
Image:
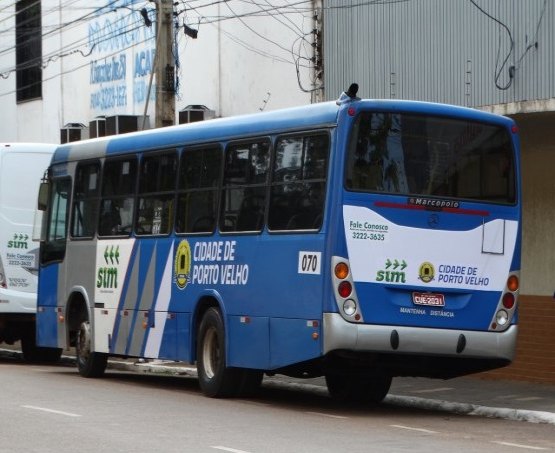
22	166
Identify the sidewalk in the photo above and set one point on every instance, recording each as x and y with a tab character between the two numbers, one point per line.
510	400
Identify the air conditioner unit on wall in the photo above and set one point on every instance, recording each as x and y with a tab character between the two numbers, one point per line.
97	127
73	132
193	113
120	124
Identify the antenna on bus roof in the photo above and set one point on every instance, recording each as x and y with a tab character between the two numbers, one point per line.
349	95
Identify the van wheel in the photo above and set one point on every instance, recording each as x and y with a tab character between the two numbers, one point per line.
354	388
215	378
90	364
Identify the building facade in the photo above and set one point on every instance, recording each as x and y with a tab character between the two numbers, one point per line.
69	62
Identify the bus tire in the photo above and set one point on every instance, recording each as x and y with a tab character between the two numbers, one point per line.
33	353
216	380
354	388
89	364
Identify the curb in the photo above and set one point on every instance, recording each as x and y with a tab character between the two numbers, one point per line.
394	400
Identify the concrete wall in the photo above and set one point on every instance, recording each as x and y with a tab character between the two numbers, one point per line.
535	357
538	203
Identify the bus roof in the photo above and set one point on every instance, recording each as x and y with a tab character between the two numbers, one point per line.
323	114
314	115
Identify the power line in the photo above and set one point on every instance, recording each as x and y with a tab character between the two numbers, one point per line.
63	73
499	69
75	47
45	61
534	42
203	20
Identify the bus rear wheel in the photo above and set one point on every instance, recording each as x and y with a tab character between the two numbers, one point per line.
215	378
355	388
90	364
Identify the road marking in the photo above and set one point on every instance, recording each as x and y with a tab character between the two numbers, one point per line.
528	447
232	450
52	411
410	428
326	415
439	389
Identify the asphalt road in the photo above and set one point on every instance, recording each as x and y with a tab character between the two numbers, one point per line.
52	409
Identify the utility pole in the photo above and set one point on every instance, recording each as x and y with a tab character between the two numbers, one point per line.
317	94
165	69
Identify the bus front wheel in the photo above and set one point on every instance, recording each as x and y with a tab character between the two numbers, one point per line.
354	388
216	380
90	364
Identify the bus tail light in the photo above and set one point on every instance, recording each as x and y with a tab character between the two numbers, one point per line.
502	318
341	270
344	290
349	307
512	283
3	283
508	300
507	304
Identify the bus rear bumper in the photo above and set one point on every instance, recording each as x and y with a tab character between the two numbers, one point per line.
340	335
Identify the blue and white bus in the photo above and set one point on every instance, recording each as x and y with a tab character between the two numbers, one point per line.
357	240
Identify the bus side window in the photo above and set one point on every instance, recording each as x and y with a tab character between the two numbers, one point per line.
198	185
85	200
245	181
157	179
299	183
118	191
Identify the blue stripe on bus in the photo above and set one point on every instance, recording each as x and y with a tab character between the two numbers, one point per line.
47	315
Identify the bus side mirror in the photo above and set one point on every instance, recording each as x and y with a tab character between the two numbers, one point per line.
43	196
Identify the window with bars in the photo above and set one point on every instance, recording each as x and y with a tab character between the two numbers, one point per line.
28	50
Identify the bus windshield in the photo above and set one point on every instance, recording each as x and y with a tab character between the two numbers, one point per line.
417	155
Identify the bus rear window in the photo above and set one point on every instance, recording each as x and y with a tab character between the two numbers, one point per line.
407	154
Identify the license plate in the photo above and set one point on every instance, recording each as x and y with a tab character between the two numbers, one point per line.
429	299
